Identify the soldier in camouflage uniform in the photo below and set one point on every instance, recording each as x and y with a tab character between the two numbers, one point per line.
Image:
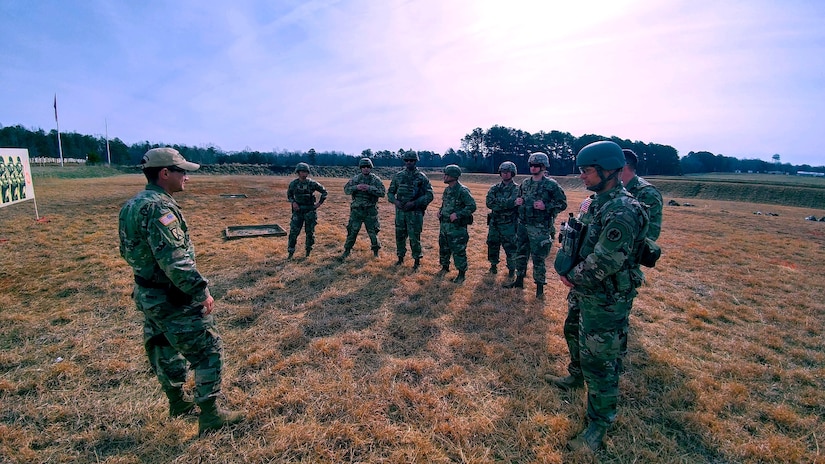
410	191
602	286
649	196
5	181
170	292
539	202
365	188
502	221
301	195
456	212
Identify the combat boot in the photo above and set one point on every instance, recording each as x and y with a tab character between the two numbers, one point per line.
518	283
539	291
344	254
375	252
400	261
444	270
417	263
565	383
309	250
460	277
590	439
178	404
291	252
493	269
213	417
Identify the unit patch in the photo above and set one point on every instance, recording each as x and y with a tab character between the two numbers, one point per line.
614	234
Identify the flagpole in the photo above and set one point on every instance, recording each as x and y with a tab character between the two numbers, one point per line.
59	144
108	153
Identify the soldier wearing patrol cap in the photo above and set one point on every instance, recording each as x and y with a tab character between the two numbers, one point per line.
502	221
456	212
170	292
365	189
301	195
602	285
411	192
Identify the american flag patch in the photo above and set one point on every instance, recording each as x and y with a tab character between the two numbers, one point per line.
585	205
168	218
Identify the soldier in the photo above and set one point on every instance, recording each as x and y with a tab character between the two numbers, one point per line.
410	191
602	285
5	181
539	201
456	212
651	199
365	188
301	195
502	221
170	292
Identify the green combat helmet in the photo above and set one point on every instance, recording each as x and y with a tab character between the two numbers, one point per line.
508	166
410	155
604	156
365	163
539	158
453	171
302	167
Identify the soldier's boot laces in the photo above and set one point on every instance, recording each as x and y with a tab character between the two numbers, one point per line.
461	277
213	417
540	291
400	261
565	383
417	263
178	404
518	283
493	269
590	439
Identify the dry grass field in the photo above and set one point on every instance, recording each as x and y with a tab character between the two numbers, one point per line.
362	361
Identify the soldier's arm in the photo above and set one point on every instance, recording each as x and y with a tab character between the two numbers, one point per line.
377	187
350	187
168	244
392	190
428	196
653	199
613	248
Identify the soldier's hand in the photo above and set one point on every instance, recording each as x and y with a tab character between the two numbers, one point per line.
363	187
566	281
409	205
453	217
208	305
398	204
538	204
295	207
519	201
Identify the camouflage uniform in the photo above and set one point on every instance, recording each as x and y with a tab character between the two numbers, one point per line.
536	229
605	282
453	236
409	186
5	182
302	192
363	209
502	223
154	240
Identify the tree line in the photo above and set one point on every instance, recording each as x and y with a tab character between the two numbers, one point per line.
479	151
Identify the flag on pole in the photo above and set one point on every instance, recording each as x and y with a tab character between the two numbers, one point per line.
55	107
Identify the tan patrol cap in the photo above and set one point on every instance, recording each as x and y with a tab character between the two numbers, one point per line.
165	157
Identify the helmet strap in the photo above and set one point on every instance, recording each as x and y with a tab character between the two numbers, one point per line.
604	180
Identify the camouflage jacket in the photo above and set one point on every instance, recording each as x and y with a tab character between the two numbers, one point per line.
650	198
616	227
501	199
411	186
154	240
548	191
457	199
303	193
366	198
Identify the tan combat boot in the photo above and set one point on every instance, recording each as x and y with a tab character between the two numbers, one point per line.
213	417
178	405
565	383
590	439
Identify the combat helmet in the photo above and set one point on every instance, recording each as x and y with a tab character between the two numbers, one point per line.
508	166
539	158
605	154
410	155
365	163
302	167
453	171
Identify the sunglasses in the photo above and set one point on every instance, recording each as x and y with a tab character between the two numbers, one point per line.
176	169
536	165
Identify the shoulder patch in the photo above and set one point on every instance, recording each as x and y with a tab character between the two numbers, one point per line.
168	218
614	234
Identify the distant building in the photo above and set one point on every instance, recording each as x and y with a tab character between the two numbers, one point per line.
810	174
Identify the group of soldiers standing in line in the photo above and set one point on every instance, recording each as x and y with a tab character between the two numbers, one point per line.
602	278
12	180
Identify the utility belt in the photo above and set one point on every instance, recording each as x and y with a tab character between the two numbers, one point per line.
501	218
363	206
174	295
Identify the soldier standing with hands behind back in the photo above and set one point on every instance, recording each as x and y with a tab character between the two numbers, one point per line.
539	202
170	292
502	222
410	191
301	195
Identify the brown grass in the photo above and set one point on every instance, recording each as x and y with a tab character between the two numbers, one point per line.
364	362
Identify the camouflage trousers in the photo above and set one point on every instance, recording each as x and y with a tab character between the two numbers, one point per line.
307	220
452	241
595	327
408	224
502	236
533	240
367	215
176	335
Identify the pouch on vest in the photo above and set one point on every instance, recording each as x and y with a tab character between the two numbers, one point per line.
650	253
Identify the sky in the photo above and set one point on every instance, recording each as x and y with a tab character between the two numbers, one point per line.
738	78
